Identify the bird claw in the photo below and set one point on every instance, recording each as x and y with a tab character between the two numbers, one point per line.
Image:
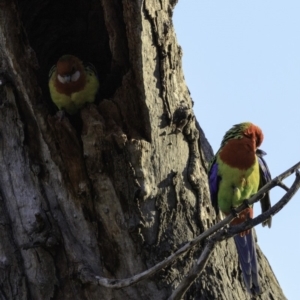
234	212
246	202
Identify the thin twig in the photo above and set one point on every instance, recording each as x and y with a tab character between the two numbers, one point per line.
194	273
283	186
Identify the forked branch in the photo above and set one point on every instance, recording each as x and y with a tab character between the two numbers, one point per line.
216	233
227	233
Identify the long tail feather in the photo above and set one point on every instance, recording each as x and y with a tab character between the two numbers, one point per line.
247	256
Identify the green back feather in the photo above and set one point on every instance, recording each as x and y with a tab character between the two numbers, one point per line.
236	132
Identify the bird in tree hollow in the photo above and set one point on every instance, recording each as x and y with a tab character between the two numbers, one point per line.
72	83
237	172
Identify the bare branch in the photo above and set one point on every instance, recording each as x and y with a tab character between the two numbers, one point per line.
282	185
86	276
271	212
228	233
194	273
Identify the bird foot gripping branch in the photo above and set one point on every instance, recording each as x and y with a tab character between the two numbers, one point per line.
246	202
237	172
234	212
72	84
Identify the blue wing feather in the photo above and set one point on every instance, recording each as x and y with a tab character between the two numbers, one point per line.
265	177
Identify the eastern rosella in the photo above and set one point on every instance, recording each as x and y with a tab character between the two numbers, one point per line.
236	173
72	83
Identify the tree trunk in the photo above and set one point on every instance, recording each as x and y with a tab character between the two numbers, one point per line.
121	185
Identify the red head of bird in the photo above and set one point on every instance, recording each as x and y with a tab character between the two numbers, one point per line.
239	145
70	75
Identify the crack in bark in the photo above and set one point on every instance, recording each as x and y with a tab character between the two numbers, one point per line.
162	55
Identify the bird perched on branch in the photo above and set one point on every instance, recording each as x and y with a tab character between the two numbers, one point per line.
237	172
72	83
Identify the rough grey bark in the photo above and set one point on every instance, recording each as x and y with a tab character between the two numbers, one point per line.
118	187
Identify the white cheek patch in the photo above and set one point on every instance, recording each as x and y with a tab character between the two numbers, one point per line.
75	76
61	79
